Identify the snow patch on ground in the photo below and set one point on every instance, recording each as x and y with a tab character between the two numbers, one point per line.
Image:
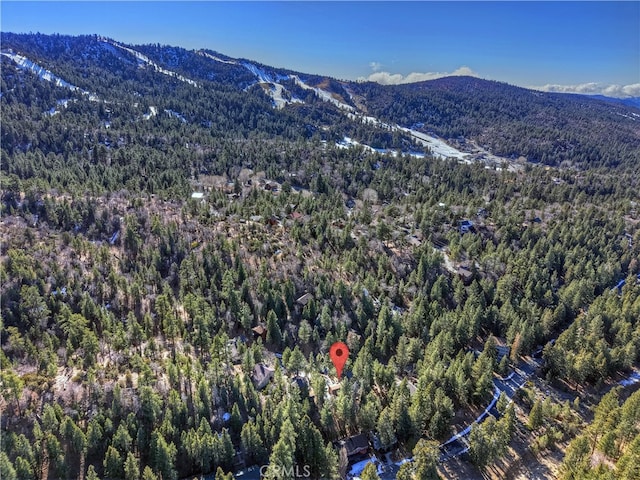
371	121
631	379
153	111
437	146
358	468
348	142
144	59
322	94
627	116
263	76
177	115
276	92
59	104
217	59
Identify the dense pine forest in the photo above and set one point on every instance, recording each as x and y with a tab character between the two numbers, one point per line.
184	235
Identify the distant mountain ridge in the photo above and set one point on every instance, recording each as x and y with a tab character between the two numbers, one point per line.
509	121
629	101
550	128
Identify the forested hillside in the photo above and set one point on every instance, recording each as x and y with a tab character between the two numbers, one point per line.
181	244
549	128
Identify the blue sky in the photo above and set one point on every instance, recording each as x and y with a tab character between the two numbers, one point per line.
560	45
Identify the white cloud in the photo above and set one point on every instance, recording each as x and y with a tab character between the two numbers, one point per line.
375	66
593	88
386	78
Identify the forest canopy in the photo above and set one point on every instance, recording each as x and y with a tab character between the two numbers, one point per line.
177	259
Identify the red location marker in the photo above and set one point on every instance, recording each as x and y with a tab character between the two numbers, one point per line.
339	353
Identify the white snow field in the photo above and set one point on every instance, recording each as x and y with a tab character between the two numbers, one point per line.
144	59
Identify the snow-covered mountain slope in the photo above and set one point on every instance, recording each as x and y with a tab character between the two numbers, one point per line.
25	64
216	58
323	94
437	146
146	60
281	97
262	75
276	90
270	82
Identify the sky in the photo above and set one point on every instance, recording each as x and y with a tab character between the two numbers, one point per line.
585	47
